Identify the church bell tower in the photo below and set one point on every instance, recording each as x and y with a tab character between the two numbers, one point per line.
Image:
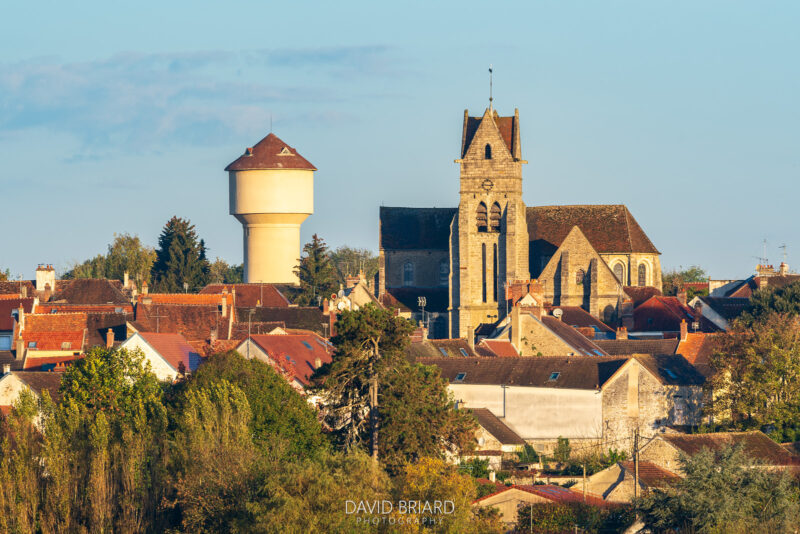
489	237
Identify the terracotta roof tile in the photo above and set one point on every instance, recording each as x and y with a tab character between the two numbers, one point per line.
250	295
51	307
193	322
638	346
7	305
53	341
576	316
639	294
664	314
305	318
40	381
48	363
200	299
756	445
270	153
89	291
550	492
174	349
572	337
671	369
55	322
652	475
15	287
500	348
296	354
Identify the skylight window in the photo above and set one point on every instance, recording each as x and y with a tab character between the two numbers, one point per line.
31	344
669	373
463	353
118	310
307	345
554	377
54	310
460	377
66	345
444	352
288	358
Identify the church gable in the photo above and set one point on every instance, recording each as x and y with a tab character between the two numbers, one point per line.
500	133
415	228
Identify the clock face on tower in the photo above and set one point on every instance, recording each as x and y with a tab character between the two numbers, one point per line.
487	185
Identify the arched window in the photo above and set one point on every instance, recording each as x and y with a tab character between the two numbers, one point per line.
642	274
444	272
619	272
579	277
408	274
488	151
481	218
608	314
494	218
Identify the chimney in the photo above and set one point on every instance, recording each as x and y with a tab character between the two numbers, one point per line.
21	319
48	291
516	334
45	274
326	307
622	333
684	330
224	305
682	296
125	280
762	282
144	287
317	363
23	289
20	349
110	338
6	368
213	335
783	270
492	476
351	281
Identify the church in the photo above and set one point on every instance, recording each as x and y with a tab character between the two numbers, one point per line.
463	261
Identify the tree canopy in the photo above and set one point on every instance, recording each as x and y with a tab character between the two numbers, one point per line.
672	280
125	253
316	272
767	301
221	272
723	492
180	258
349	261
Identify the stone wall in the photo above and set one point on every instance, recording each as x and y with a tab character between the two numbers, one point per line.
426	267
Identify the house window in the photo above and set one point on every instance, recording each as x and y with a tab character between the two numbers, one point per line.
460	377
554	376
463	353
307	345
31	344
66	345
642	274
444	352
487	151
481	218
408	274
444	272
619	272
579	276
494	218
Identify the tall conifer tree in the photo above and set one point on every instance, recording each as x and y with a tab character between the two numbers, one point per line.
180	258
316	272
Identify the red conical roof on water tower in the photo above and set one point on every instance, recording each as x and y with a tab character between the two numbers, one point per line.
270	153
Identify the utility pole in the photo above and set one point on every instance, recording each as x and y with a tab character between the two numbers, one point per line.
584	481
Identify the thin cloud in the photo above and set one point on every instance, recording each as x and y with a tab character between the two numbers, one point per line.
146	101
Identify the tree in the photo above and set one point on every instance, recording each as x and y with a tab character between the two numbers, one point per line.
128	254
723	492
672	281
277	409
562	451
180	258
91	268
5	275
369	344
316	273
221	272
764	302
349	261
757	374
418	417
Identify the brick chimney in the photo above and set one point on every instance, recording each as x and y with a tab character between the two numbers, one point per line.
224	305
682	296
125	280
622	333
684	330
212	337
110	338
326	307
351	281
783	270
317	363
144	287
45	274
23	290
762	282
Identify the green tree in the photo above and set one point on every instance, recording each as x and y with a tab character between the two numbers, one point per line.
316	273
757	378
91	268
349	261
128	253
180	258
527	455
723	492
562	451
767	301
418	417
5	275
277	409
369	345
221	272
672	280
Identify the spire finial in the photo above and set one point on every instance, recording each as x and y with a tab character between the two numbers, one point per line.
490	86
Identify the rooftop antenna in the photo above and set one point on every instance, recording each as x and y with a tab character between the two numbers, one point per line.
490	86
765	252
783	248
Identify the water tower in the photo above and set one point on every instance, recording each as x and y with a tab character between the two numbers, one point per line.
271	194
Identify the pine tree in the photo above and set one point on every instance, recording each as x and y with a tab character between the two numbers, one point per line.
316	272
180	258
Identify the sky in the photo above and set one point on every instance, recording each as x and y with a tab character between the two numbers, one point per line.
115	117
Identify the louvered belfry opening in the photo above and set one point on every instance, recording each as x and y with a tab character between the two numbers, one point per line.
481	218
494	219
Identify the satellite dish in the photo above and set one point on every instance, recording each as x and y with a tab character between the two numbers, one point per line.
333	296
557	313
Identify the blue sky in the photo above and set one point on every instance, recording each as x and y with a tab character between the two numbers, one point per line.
114	117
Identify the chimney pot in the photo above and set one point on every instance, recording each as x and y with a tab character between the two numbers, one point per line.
6	368
684	330
682	296
110	338
317	363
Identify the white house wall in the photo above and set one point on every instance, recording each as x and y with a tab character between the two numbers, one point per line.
538	413
158	365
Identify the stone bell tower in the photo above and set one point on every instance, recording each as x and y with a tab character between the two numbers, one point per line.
489	237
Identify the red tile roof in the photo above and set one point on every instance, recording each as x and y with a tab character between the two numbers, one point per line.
71	341
7	305
640	294
42	381
89	291
551	492
194	322
186	298
504	124
174	349
56	363
652	475
50	307
755	444
697	348
55	322
498	347
270	153
578	317
251	294
664	314
295	354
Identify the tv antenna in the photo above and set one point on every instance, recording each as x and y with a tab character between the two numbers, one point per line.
490	86
783	248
